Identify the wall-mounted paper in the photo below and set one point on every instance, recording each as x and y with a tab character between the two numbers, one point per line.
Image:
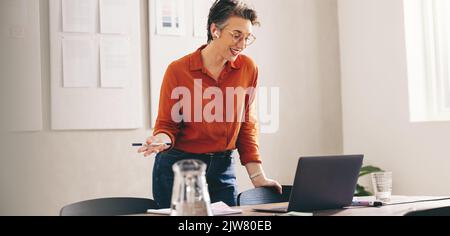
114	16
20	66
114	62
14	18
14	12
80	64
170	17
201	12
97	108
79	16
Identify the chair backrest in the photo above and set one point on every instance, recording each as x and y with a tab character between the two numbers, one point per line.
441	211
109	207
263	196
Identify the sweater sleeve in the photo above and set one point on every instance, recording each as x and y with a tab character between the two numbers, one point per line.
248	138
165	123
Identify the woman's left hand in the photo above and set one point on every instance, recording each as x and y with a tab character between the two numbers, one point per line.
262	181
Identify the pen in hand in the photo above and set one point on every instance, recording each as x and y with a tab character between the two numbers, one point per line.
153	144
151	148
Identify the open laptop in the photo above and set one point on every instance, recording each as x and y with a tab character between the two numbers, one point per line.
321	183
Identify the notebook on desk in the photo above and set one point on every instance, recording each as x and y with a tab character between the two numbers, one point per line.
218	209
322	183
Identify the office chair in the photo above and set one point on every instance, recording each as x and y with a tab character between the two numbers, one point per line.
264	196
441	211
109	207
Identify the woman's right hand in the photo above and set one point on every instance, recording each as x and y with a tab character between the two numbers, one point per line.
150	148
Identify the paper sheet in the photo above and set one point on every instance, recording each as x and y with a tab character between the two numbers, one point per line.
170	17
14	13
79	16
20	66
79	64
218	209
395	200
114	62
114	16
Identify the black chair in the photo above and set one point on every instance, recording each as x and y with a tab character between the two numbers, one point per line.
264	196
441	211
109	207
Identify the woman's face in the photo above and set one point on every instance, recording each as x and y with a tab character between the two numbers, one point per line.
231	40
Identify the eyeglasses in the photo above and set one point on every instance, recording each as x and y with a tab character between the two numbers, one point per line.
238	36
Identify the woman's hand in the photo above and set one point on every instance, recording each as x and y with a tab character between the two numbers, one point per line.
150	146
262	181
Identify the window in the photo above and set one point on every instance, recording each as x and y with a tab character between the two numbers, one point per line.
427	24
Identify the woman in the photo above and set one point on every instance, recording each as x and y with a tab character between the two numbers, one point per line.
218	67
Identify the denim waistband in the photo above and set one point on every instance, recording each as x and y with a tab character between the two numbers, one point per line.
210	154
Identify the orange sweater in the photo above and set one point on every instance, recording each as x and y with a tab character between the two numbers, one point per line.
194	132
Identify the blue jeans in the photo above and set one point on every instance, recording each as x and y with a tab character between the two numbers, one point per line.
220	176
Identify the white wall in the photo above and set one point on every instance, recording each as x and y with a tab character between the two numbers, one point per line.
297	50
375	100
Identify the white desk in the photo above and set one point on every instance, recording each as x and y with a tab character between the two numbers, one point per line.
387	210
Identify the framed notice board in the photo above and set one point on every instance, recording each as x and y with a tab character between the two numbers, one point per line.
96	81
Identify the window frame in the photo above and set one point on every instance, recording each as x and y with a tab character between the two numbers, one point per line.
436	57
428	65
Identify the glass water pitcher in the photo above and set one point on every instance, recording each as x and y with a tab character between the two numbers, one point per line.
190	196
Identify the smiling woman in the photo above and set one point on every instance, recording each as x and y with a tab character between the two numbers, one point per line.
219	65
